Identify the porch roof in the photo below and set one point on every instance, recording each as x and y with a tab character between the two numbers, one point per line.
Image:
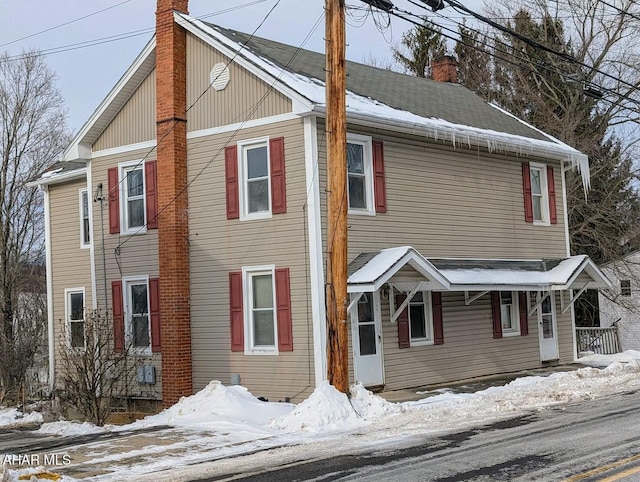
369	271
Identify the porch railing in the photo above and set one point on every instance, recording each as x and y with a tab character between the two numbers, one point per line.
603	341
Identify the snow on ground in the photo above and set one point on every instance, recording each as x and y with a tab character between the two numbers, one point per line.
14	417
219	424
596	360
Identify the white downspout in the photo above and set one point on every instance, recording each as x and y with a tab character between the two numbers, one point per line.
563	170
314	225
92	251
50	327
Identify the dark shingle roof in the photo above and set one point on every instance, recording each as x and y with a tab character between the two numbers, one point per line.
423	97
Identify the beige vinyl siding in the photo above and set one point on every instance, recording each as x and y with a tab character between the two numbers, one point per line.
564	331
220	246
136	121
70	264
125	255
245	97
469	349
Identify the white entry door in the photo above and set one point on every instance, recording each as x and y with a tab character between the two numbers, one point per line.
367	340
547	329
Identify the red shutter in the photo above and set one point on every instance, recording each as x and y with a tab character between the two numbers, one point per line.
283	308
524	313
278	184
526	189
379	188
114	200
495	314
231	176
118	315
151	187
403	323
236	312
553	213
438	329
154	311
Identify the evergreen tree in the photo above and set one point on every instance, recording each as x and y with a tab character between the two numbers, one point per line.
419	46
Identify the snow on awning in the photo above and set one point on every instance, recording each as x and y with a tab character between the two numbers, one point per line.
369	271
574	272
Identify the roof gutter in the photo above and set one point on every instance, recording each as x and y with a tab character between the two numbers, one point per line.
59	179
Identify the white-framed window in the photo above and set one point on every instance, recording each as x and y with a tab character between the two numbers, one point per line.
137	321
255	175
539	193
74	315
85	224
625	287
360	174
261	327
509	313
420	319
133	212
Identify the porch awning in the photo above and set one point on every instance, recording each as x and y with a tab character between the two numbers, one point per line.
407	269
369	271
574	272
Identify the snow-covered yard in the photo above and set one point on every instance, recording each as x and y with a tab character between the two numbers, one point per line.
217	425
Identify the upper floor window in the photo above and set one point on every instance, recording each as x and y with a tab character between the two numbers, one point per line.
625	287
133	200
539	193
360	174
256	199
74	309
85	232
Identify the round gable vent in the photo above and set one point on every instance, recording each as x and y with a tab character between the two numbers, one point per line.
219	76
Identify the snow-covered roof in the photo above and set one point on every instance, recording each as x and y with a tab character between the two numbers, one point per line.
369	271
61	172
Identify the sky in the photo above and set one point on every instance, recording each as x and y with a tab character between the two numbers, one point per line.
221	421
86	75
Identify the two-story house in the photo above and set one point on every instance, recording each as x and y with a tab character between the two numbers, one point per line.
192	205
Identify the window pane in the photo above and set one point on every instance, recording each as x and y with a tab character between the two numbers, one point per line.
257	162
77	334
136	213
258	196
417	319
76	300
262	291
505	314
85	230
139	299
355	158
140	330
537	208
357	198
135	183
417	298
536	186
367	335
263	331
365	308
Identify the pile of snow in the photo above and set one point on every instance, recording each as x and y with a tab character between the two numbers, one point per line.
216	404
596	360
66	428
14	417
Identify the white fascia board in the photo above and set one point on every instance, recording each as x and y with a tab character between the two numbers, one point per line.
74	150
599	278
59	179
211	37
361	288
489	287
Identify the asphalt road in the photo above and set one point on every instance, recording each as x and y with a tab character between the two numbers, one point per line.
588	441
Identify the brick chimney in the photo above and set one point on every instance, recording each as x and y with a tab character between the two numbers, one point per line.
173	222
445	69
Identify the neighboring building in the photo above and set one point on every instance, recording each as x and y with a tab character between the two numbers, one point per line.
210	250
620	305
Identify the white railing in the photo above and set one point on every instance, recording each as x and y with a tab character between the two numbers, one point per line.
603	341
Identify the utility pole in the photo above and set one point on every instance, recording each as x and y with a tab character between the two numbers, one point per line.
337	203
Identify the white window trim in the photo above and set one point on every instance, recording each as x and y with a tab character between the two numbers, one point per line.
81	192
367	143
515	314
544	187
128	328
247	273
242	176
426	300
67	314
124	217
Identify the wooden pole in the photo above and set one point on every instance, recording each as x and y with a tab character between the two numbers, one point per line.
336	133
